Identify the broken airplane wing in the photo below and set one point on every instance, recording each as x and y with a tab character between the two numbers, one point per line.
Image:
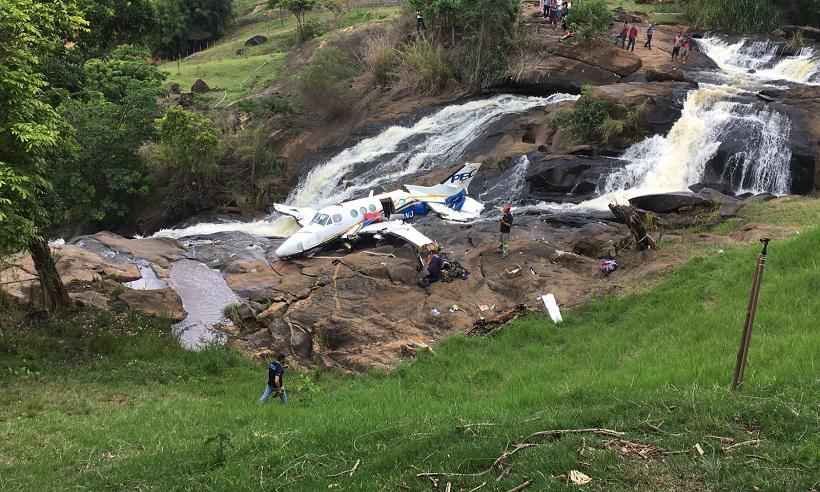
398	229
302	215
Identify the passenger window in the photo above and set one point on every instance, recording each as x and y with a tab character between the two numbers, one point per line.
372	207
354	213
363	211
337	218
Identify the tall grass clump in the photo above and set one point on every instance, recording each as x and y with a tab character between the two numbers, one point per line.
381	58
425	67
743	16
325	83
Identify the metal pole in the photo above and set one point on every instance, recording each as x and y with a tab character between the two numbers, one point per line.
751	311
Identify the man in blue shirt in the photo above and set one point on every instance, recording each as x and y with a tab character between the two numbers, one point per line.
275	386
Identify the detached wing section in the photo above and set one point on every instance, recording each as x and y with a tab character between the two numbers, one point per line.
398	229
302	215
471	210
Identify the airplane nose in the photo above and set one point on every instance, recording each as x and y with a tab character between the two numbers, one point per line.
290	248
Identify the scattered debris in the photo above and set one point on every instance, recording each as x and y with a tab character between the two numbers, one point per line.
435	312
699	449
752	442
483	308
579	478
454	308
552	308
487	327
631	448
521	487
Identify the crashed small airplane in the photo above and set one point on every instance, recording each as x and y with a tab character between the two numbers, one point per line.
386	213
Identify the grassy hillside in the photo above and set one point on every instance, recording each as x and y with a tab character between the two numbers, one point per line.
233	75
122	409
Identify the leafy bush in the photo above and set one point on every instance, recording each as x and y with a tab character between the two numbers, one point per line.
745	16
597	121
324	84
589	19
425	67
381	58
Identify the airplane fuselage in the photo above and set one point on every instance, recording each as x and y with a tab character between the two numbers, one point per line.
343	220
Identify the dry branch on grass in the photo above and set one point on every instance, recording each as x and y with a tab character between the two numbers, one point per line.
349	472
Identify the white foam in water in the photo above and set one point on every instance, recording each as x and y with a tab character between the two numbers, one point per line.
511	188
439	139
279	227
759	61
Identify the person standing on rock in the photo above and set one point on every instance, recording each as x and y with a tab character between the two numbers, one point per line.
650	31
504	226
676	45
624	33
275	386
685	44
633	35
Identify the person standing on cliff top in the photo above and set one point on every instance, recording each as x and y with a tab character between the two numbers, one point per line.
275	386
504	227
633	35
650	31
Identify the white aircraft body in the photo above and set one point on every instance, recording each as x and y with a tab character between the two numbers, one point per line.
383	214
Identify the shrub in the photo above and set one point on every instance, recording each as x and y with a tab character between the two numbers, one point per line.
589	19
380	58
597	121
425	67
745	16
324	84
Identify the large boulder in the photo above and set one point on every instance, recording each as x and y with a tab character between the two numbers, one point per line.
164	303
567	174
160	251
664	203
603	56
553	74
660	101
256	40
200	87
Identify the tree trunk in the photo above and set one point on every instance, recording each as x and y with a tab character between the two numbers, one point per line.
55	297
636	225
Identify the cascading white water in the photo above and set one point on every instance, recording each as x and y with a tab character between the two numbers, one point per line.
439	139
511	187
436	140
755	62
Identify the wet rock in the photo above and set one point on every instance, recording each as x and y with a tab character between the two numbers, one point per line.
256	40
666	73
671	202
574	174
90	298
660	101
200	87
160	251
605	57
556	74
164	303
809	32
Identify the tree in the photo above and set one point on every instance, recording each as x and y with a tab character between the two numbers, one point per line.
299	8
31	131
589	19
116	22
101	178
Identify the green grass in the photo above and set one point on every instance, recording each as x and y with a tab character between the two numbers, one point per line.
239	75
139	414
633	6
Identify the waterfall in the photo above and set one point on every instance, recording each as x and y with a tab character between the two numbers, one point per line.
511	187
436	140
439	139
758	62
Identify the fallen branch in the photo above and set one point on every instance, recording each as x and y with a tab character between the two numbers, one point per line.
561	432
476	488
521	487
349	472
753	442
373	253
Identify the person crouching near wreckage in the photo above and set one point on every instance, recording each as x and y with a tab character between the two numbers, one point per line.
431	265
504	226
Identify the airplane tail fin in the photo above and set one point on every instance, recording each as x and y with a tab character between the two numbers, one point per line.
464	176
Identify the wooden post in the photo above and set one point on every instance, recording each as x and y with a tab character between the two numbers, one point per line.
751	311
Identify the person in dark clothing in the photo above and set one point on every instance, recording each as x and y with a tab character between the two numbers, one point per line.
504	226
432	266
275	386
650	31
633	35
420	27
624	33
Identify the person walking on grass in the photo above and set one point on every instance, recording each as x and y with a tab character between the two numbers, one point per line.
504	227
650	31
676	44
633	35
275	386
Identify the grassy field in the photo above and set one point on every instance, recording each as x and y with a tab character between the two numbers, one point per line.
233	74
109	403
